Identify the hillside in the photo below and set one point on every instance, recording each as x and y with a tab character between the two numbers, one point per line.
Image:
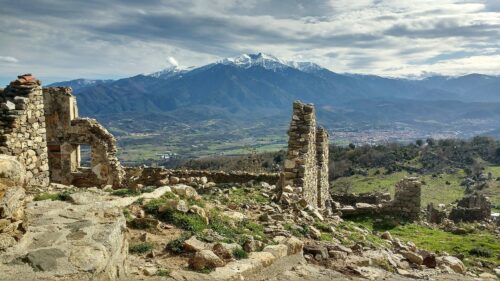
250	95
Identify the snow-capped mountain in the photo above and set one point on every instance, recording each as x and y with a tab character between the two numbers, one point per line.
269	62
168	72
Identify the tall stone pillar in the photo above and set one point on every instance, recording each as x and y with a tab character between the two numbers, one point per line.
305	173
322	161
22	127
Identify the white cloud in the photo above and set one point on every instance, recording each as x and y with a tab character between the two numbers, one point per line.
173	61
8	59
384	37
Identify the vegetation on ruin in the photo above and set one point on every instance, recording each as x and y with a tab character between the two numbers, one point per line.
140	248
61	196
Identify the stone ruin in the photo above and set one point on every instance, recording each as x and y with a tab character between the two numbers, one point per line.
305	174
406	202
41	128
473	207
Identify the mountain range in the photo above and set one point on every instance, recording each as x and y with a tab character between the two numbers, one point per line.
261	87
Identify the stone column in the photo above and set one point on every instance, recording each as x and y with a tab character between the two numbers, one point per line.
322	160
22	127
301	164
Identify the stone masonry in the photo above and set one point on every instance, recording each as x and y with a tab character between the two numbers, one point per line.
306	165
406	202
473	207
41	128
66	132
22	127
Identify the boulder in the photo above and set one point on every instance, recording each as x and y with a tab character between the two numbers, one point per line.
11	203
174	205
315	250
194	245
412	257
430	261
314	233
205	259
386	236
294	245
454	263
6	241
185	191
200	212
174	180
278	251
12	172
225	250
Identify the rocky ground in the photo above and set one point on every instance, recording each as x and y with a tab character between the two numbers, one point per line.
204	231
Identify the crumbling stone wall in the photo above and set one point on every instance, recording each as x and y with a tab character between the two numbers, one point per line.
66	132
306	164
473	207
322	166
22	127
406	202
368	198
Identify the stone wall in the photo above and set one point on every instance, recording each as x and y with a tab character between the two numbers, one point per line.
22	127
305	170
368	198
66	132
474	207
406	202
161	176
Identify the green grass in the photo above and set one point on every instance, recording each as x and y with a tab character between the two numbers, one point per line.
61	196
175	246
476	245
163	272
434	190
125	192
442	241
140	248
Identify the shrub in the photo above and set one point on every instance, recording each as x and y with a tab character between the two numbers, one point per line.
140	248
125	192
481	252
61	196
240	254
163	272
175	246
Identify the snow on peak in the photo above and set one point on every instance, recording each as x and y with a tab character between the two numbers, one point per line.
168	72
269	62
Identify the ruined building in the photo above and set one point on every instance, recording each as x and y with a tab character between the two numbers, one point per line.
41	128
473	207
306	165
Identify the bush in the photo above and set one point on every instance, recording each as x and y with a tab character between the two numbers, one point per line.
481	252
175	246
125	192
140	248
240	254
61	196
163	272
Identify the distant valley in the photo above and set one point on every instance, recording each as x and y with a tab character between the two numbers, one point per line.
242	104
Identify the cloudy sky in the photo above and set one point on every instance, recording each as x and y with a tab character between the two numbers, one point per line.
65	39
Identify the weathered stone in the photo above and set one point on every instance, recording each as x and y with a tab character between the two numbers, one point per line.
295	245
194	245
205	259
314	232
225	251
200	212
413	257
386	235
430	261
12	170
306	165
11	203
184	191
278	251
454	263
6	241
174	205
316	250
